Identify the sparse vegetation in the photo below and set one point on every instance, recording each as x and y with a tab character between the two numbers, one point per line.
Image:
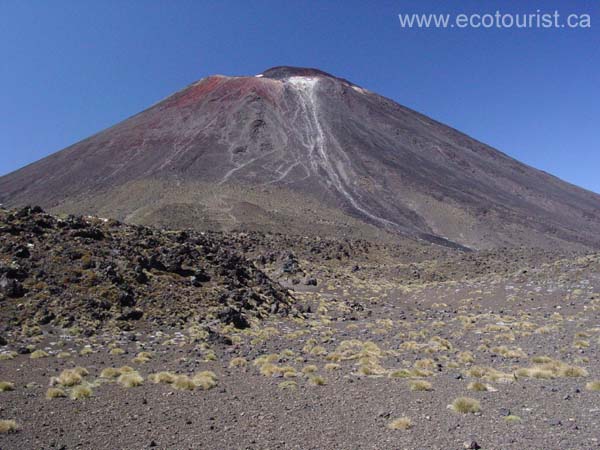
6	386
402	423
110	372
163	377
38	354
130	379
512	418
80	392
55	393
238	362
420	385
593	386
8	426
477	386
466	405
206	379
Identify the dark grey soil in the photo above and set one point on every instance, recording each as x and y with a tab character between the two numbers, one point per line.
504	317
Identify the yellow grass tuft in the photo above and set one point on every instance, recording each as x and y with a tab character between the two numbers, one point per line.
142	357
309	369
55	393
593	385
238	362
8	426
184	383
6	386
39	354
130	379
466	405
80	392
206	379
288	385
7	355
316	380
110	372
420	385
477	386
69	377
402	423
163	377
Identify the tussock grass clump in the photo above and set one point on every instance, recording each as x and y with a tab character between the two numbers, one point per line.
63	355
593	386
130	379
126	369
163	377
117	351
142	357
581	344
82	371
318	351
8	426
477	386
400	373
238	362
269	370
184	383
426	363
288	372
288	385
7	356
80	392
541	359
402	423
332	366
210	355
572	371
466	357
420	385
552	369
206	379
466	405
488	373
86	351
110	372
316	380
6	386
512	418
38	354
264	359
55	393
69	377
309	369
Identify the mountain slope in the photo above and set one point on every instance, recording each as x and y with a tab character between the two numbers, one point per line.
299	150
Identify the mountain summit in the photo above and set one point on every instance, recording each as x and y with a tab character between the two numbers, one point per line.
302	151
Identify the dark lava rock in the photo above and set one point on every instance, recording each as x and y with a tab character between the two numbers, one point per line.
233	316
131	314
11	287
3	341
472	445
504	412
311	282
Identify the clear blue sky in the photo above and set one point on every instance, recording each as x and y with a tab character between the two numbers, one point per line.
72	68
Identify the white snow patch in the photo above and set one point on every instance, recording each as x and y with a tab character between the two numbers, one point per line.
359	89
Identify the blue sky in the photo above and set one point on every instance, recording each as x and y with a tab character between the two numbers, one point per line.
72	68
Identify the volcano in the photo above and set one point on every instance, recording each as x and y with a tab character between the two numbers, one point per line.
298	150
